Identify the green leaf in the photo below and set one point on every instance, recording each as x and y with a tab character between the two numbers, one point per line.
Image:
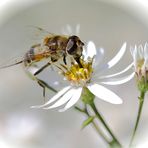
88	121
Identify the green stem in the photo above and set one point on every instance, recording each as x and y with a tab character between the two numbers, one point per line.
141	101
88	99
115	141
96	127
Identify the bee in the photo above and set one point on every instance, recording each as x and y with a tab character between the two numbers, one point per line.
55	47
52	48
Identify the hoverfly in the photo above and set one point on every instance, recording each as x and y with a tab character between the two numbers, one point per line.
52	48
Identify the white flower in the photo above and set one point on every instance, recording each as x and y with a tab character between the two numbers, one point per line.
67	30
140	58
89	75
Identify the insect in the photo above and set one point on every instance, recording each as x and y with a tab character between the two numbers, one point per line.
52	48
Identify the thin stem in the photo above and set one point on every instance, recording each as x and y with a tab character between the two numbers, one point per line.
96	127
141	101
88	98
105	125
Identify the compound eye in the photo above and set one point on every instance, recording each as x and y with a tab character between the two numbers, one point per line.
71	47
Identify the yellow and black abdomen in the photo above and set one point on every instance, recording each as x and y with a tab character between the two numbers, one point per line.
36	54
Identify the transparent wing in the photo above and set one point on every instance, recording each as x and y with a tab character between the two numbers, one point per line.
37	33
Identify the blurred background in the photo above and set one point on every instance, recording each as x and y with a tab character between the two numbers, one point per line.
109	24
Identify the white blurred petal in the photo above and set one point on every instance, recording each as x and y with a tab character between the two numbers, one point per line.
69	29
98	57
119	73
63	99
73	100
120	80
54	98
118	56
134	53
104	94
77	29
146	56
135	56
84	53
90	50
132	50
115	60
140	51
146	51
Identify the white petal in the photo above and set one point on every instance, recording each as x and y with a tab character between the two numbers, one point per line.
54	98
146	51
104	94
67	30
91	49
118	56
134	51
145	65
73	100
131	50
77	29
119	73
114	61
98	57
63	99
84	53
135	56
140	51
119	81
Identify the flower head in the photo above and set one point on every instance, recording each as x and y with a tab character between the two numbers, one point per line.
140	58
87	74
81	74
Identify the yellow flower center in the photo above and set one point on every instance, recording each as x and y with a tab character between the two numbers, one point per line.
79	74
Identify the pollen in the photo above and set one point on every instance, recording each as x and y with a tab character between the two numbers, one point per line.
79	74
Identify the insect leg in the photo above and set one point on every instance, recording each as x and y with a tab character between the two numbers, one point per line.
78	61
44	85
42	68
64	59
40	82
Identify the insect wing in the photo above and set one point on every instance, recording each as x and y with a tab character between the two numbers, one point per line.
37	33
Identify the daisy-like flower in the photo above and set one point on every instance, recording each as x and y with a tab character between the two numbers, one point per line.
140	58
87	74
